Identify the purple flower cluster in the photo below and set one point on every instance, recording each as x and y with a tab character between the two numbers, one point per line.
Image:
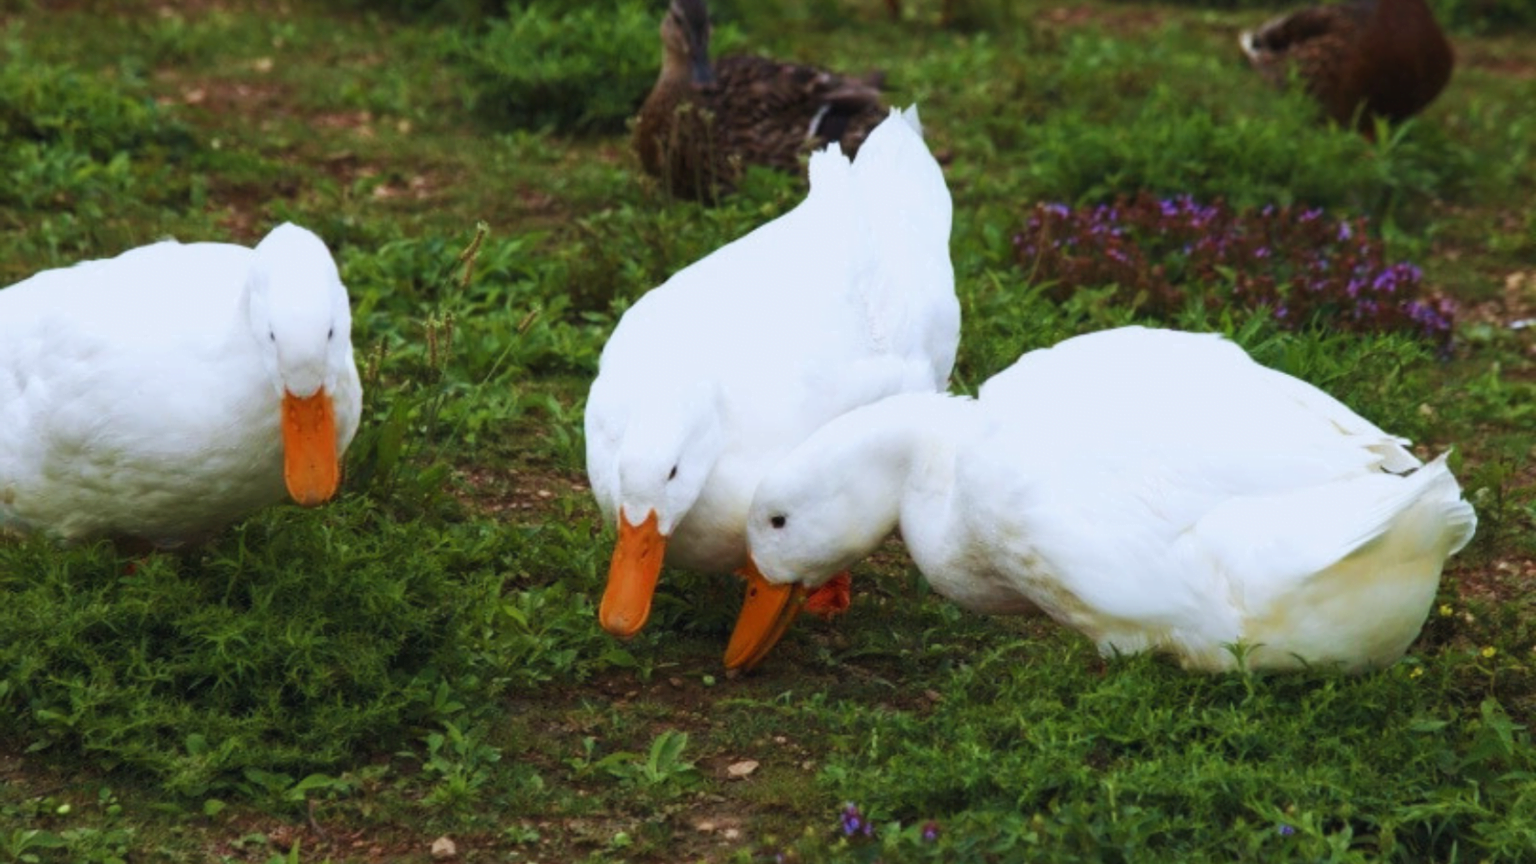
853	822
1309	270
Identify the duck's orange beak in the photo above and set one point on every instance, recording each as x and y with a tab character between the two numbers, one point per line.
765	616
310	466
632	576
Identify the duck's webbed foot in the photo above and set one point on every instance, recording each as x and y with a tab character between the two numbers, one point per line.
831	599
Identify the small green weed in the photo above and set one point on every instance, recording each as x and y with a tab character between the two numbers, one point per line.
460	763
105	842
661	769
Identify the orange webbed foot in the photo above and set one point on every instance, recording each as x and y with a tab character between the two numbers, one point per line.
831	599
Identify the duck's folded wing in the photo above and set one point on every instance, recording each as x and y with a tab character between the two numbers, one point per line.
1278	542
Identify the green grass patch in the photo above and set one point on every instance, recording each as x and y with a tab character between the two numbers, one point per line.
1040	753
82	156
261	653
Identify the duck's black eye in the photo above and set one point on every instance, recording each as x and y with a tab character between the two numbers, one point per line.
777	521
330	334
272	334
673	473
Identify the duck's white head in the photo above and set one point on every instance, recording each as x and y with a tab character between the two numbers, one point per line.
824	507
668	453
819	511
302	324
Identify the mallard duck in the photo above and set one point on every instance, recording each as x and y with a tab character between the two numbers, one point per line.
703	124
711	376
160	395
1152	489
1361	59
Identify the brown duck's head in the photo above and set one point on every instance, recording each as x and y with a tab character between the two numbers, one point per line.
685	40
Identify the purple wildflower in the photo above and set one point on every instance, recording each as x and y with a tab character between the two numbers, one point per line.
1286	830
1307	268
853	822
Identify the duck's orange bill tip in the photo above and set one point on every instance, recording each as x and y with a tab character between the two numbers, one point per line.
310	464
765	616
632	576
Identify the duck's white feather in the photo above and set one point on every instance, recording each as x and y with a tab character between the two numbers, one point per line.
1150	488
845	299
135	395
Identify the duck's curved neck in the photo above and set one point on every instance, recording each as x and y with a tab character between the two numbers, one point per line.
675	70
244	315
928	511
902	455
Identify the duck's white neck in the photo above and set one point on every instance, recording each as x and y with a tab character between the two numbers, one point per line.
935	436
905	465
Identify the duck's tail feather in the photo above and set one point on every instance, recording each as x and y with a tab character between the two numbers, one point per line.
1343	573
1247	42
901	186
828	172
1285	539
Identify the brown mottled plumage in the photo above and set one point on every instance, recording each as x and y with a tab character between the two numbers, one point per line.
703	124
1361	59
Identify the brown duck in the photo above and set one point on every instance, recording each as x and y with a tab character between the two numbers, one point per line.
1361	59
704	123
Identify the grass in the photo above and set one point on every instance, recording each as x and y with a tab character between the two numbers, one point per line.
421	659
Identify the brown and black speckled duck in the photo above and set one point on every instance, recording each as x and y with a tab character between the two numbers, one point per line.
1360	59
704	123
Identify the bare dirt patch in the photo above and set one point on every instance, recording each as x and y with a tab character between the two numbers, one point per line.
1497	59
217	96
315	839
1503	580
1119	20
517	493
1515	307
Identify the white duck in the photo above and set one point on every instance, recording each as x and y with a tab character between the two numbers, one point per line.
713	375
162	394
1152	489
